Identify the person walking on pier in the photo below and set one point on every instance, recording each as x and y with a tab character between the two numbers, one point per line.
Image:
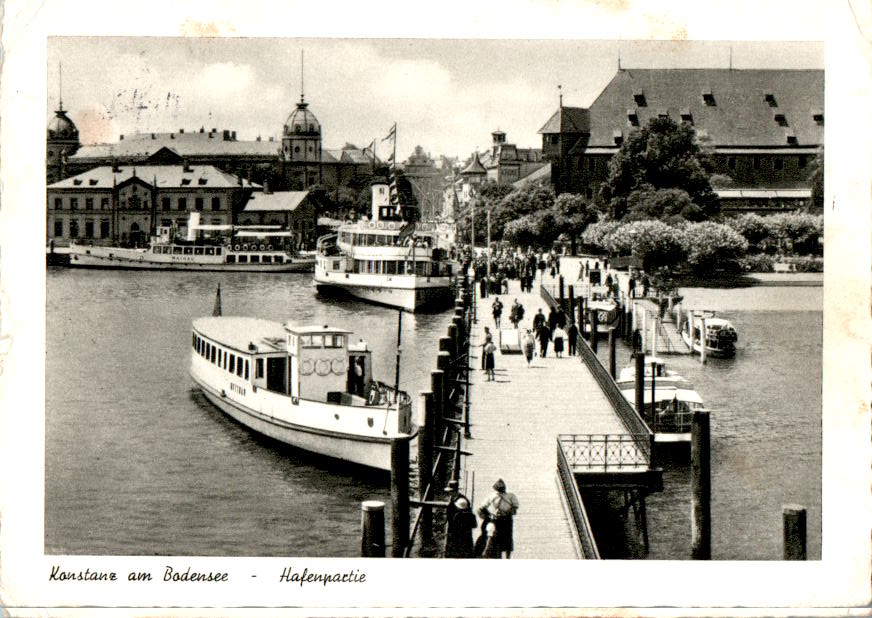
487	337
488	351
544	336
572	338
461	522
497	311
552	319
559	337
529	346
646	283
538	320
516	313
500	508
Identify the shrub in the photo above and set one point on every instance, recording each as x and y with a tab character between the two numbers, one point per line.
757	263
654	243
713	246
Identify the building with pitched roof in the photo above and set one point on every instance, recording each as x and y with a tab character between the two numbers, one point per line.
292	210
125	204
761	127
505	163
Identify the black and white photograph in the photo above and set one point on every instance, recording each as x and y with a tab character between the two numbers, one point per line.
302	305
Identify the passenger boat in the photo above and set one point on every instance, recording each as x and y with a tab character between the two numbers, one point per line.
308	386
674	399
206	247
720	335
387	259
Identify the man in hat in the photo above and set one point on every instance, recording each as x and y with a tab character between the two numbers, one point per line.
500	508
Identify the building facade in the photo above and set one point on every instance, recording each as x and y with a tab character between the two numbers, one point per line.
125	204
506	164
762	128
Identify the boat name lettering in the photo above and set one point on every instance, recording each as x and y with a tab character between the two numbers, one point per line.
352	576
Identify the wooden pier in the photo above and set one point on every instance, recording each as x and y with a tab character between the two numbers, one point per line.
515	424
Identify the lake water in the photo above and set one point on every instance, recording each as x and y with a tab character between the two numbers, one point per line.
138	463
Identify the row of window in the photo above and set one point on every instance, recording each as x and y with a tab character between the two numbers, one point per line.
182	250
217	355
135	203
88	229
757	162
255	259
382	240
393	267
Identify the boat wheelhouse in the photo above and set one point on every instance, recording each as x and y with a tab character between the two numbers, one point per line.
308	386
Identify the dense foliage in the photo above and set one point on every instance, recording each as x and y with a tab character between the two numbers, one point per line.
488	195
654	243
662	155
787	233
712	246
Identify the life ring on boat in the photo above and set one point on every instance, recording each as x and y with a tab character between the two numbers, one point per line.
262	247
338	366
392	225
269	247
236	247
245	247
322	367
373	395
381	225
372	225
306	367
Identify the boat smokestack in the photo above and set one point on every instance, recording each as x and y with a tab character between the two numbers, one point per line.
381	197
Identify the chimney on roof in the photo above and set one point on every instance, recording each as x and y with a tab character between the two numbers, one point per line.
172	136
121	137
181	131
202	129
271	138
226	135
185	167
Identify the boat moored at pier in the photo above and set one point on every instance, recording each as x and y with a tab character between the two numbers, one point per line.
673	396
720	335
387	259
308	386
206	248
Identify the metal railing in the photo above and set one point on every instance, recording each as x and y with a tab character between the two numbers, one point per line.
580	522
603	452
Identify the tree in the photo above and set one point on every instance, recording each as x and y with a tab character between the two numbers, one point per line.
487	195
528	199
572	214
673	205
654	243
757	230
713	246
595	234
661	155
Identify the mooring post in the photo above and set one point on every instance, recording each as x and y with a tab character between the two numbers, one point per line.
613	369
594	327
425	464
571	304
372	529
560	291
703	340
436	380
446	345
794	521
701	487
443	363
581	316
640	384
645	342
399	496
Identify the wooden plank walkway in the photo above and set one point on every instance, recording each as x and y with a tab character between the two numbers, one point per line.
515	421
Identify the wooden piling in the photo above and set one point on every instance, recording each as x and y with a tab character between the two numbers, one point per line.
399	496
701	487
655	321
571	304
702	340
645	342
436	387
425	464
372	529
560	291
613	369
581	316
640	384
594	326
794	522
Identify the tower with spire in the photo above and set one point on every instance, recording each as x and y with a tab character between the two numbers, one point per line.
301	144
62	140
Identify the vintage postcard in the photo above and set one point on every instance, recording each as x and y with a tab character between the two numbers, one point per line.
287	289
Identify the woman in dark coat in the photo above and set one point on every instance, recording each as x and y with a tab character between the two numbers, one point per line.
461	523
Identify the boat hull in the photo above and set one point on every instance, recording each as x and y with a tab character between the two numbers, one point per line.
132	259
371	452
409	293
728	351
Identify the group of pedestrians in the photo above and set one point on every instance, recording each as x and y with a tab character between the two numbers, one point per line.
496	535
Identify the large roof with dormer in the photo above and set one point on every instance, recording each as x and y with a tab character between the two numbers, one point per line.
166	176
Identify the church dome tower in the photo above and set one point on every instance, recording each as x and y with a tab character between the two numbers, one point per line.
62	141
301	145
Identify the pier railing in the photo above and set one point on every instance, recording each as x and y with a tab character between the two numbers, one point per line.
603	452
580	521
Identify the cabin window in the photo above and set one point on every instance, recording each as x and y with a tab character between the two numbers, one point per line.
217	250
243	259
189	250
255	259
177	250
194	340
239	366
258	368
198	250
210	250
267	259
231	259
279	259
246	369
232	367
334	341
317	341
212	354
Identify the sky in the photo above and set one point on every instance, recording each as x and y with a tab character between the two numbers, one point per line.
446	95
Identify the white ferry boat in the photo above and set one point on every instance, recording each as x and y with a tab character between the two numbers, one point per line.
307	386
674	399
206	247
720	335
386	259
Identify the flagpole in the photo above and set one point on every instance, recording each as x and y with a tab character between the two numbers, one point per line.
396	180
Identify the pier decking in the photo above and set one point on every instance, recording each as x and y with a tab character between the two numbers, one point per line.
515	422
